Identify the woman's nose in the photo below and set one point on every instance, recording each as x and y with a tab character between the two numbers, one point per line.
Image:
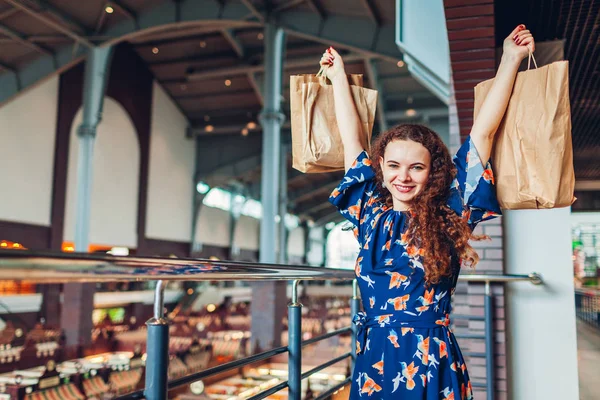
404	175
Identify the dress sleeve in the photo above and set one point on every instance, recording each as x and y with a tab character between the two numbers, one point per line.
473	193
354	197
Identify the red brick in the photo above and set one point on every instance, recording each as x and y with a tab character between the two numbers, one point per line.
462	3
479	43
480	74
470	22
466	84
469	11
475	54
474	33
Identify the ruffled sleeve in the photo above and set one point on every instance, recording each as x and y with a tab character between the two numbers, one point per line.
354	197
473	193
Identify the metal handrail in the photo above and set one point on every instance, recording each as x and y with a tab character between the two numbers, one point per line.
46	267
80	267
533	277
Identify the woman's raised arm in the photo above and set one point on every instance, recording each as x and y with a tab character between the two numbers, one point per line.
345	109
516	47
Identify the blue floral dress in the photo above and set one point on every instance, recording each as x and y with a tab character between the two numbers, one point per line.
405	349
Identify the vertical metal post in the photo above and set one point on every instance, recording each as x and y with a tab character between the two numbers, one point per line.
157	349
489	341
295	345
235	211
354	308
96	78
283	205
271	119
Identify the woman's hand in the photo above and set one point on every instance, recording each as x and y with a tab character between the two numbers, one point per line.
332	64
519	43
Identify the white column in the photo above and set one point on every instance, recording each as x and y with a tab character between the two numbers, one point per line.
542	353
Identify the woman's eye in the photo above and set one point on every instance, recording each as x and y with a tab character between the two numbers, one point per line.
418	167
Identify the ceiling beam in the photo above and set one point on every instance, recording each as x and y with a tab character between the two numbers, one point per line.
46	7
225	129
366	39
128	12
223	173
286	6
296	196
317	7
229	35
20	38
255	12
324	213
334	216
8	13
257	85
245	69
372	11
311	206
224	94
434	112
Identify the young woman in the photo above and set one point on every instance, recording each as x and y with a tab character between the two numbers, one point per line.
414	209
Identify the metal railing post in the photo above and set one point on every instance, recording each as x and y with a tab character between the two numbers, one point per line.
488	306
157	349
295	345
354	307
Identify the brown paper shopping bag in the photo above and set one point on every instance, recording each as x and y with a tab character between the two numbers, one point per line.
316	141
533	152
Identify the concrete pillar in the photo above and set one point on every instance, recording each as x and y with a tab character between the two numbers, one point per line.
78	298
269	298
542	330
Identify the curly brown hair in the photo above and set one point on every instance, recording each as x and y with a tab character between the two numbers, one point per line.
433	227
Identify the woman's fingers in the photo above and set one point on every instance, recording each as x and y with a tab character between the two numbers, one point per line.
522	39
529	42
518	29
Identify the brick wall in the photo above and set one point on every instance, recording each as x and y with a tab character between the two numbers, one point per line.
472	54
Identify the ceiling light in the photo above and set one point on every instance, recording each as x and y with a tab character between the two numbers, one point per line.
203	44
207	118
155	50
261	36
209	128
227	82
400	64
251	125
245	132
411	112
109	9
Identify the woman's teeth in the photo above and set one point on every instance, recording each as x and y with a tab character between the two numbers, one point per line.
403	189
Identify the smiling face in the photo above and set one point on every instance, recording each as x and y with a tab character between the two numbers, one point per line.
405	167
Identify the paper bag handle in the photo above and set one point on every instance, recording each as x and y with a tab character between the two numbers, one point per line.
322	77
529	61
